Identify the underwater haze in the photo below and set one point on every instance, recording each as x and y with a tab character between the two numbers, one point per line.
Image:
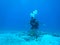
19	20
15	15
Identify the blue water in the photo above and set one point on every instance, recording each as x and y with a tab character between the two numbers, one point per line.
15	22
15	14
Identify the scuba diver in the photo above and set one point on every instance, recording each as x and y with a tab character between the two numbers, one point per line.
33	22
34	25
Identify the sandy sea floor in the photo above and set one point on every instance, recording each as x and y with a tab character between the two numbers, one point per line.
21	38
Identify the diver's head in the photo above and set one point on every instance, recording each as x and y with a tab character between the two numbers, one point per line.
33	19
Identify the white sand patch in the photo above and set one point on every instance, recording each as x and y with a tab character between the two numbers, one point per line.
19	39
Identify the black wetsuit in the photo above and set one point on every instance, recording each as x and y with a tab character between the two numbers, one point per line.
34	23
